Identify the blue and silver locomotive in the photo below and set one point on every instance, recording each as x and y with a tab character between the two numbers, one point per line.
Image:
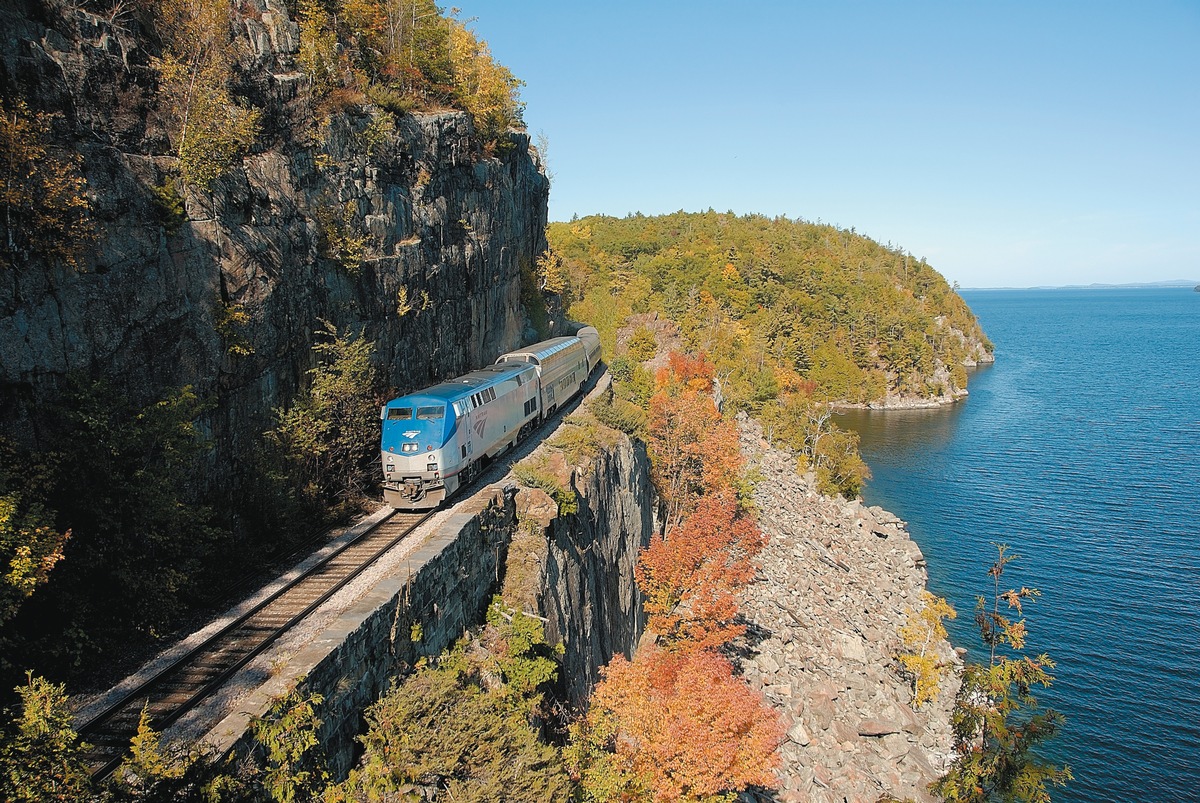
435	440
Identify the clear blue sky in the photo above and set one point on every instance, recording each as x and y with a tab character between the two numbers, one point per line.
1012	144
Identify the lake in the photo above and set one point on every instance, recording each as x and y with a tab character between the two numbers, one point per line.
1080	448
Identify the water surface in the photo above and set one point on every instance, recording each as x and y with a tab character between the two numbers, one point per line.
1080	448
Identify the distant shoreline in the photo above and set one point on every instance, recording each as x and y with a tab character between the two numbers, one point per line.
1174	284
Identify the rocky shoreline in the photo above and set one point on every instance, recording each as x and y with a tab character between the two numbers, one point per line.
905	402
836	582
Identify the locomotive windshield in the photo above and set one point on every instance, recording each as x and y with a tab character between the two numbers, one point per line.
399	413
430	413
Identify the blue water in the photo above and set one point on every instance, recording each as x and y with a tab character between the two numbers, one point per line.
1080	448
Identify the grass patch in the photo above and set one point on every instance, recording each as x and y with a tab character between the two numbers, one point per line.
536	475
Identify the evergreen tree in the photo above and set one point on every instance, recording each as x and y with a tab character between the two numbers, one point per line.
997	722
41	757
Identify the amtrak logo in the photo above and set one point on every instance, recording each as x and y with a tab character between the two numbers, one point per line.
412	433
479	423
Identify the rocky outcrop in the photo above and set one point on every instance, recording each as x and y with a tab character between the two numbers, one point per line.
584	562
230	298
836	582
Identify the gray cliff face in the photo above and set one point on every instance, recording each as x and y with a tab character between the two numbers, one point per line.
151	311
577	570
590	595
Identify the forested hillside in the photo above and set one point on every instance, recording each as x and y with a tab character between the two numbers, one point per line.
777	302
796	317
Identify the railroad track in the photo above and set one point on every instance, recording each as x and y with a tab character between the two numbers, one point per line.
188	680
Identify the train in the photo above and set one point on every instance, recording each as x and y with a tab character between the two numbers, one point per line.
437	440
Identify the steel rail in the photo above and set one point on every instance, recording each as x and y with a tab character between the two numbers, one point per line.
312	576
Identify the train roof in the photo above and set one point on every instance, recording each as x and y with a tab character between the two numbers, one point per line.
463	386
544	349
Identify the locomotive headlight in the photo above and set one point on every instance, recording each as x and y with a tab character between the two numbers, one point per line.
390	468
431	467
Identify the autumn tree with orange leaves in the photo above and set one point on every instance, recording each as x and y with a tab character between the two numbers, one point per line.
693	452
689	579
673	726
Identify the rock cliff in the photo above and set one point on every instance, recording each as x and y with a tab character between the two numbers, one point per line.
577	570
836	582
228	297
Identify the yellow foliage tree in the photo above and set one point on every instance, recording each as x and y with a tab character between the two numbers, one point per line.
486	89
552	273
318	45
923	629
210	130
43	203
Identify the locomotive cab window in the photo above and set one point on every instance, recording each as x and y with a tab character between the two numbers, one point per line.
399	413
430	413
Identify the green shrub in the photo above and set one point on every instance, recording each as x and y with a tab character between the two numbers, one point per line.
287	736
620	415
464	728
330	436
532	300
44	208
341	238
581	439
41	757
391	100
230	322
119	476
642	344
169	205
534	475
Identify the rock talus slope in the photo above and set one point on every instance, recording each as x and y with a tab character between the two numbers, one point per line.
835	585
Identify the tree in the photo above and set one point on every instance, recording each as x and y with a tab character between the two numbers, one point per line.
318	45
696	452
552	275
675	427
922	630
330	435
140	543
487	90
996	720
43	200
149	772
210	130
465	728
673	726
642	344
689	578
41	757
287	735
29	549
806	425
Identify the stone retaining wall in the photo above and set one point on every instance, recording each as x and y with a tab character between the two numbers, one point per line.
442	588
